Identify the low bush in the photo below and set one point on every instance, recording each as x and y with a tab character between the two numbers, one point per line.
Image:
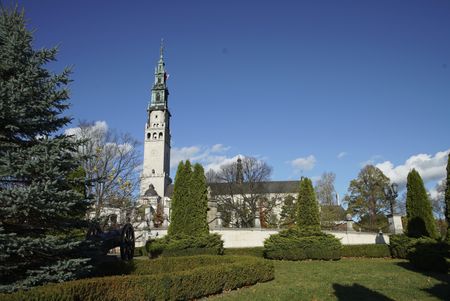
374	250
161	279
399	244
292	245
255	251
429	255
177	245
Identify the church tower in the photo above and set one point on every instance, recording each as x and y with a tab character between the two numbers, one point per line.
157	135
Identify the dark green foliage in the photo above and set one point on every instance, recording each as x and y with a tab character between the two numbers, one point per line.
447	200
41	187
418	208
255	251
180	193
167	279
199	202
307	206
295	244
189	202
429	255
399	245
288	212
182	245
329	214
375	250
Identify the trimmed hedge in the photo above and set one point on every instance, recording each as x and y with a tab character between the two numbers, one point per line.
161	279
255	251
181	245
292	245
375	250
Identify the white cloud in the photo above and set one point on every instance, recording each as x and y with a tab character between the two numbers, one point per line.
431	168
372	161
210	157
219	148
341	155
304	163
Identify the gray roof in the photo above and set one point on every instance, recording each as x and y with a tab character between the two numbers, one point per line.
261	187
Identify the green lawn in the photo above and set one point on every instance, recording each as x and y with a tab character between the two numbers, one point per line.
346	279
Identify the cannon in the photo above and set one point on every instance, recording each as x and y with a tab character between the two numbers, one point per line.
117	236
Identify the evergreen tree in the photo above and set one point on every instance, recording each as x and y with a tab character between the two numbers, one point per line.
179	194
189	201
198	202
418	208
288	212
41	194
447	199
307	206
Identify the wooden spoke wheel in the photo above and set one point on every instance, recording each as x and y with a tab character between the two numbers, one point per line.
127	242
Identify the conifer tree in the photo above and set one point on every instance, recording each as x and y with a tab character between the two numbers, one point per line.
418	208
447	200
41	186
179	194
307	206
198	202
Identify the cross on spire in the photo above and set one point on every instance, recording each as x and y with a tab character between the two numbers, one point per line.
161	50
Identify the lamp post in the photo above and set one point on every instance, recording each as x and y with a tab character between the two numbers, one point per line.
391	193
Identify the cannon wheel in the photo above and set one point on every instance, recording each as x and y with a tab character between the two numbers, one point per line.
94	231
127	242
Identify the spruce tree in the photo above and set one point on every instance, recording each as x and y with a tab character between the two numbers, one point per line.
288	212
447	200
41	194
307	206
418	208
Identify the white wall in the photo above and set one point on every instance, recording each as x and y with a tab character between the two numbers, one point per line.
247	238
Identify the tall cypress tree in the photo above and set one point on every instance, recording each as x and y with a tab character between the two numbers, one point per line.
307	206
199	201
447	200
179	194
42	203
418	208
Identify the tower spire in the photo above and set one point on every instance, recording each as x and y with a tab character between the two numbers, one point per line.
161	49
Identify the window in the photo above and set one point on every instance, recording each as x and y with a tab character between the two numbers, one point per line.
154	136
148	135
153	171
160	135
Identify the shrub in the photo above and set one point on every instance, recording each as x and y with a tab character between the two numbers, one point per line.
399	244
427	254
291	244
181	245
161	279
256	251
375	250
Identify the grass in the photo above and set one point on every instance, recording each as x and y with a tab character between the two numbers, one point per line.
346	279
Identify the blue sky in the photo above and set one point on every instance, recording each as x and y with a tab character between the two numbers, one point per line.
295	83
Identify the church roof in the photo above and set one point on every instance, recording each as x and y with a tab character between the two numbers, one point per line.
262	187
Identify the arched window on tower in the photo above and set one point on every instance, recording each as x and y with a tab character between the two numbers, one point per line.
157	97
155	136
153	171
148	135
160	135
